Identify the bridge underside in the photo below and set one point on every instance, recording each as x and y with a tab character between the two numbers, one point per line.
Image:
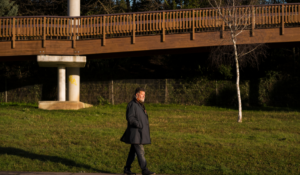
144	45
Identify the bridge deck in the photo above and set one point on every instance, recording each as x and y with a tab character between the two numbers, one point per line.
145	31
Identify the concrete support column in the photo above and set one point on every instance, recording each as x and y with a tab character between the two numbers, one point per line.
73	7
61	83
73	84
74	10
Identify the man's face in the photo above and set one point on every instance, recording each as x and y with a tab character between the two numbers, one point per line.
140	96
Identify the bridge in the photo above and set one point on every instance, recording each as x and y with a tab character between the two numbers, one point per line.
140	33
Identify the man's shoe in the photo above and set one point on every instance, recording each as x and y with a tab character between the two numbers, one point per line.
147	172
128	172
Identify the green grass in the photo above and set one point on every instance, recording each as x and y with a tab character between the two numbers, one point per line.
185	140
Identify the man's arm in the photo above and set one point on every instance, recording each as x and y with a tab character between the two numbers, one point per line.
132	117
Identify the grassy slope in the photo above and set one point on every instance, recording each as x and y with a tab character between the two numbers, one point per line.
185	140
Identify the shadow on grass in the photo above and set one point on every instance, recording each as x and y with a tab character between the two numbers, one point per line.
44	158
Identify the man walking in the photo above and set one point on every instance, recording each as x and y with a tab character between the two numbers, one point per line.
137	133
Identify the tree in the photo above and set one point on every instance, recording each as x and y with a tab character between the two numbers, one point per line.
8	8
237	22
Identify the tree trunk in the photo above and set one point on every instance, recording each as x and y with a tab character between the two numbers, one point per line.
128	6
237	78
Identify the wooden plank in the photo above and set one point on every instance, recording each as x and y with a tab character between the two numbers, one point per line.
133	28
282	20
276	15
156	23
166	21
144	23
7	29
200	20
152	22
1	34
163	28
213	18
193	24
54	27
33	27
186	20
253	20
44	33
66	27
298	13
117	24
263	16
160	21
40	28
60	25
273	16
47	31
289	14
285	12
127	23
94	27
206	19
13	34
85	31
74	34
180	20
51	28
107	25
100	25
293	15
21	28
103	35
147	22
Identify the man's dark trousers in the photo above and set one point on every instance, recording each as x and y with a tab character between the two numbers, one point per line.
137	150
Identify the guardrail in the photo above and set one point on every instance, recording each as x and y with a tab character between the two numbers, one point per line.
142	23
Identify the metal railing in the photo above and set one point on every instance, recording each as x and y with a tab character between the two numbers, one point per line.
141	23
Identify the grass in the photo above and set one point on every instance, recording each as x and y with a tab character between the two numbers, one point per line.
185	140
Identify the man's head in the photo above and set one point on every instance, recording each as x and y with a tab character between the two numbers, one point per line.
140	94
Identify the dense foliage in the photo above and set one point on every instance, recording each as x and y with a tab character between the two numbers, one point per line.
8	8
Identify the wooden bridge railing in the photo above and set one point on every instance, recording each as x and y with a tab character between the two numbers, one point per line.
141	23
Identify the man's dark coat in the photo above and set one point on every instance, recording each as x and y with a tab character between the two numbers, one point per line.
137	131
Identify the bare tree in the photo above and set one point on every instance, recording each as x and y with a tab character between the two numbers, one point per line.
237	21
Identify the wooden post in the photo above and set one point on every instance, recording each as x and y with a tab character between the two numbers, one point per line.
5	90
112	92
193	24
282	19
163	27
74	40
253	20
223	24
44	33
166	91
103	36
133	28
74	33
13	34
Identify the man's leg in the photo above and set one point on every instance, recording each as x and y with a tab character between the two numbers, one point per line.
131	157
140	152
